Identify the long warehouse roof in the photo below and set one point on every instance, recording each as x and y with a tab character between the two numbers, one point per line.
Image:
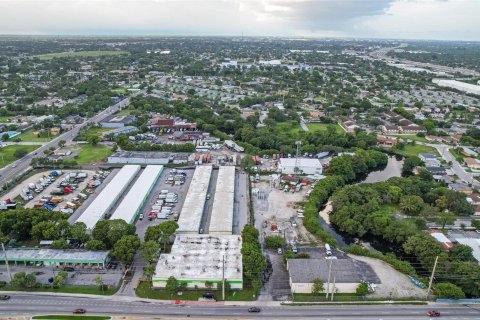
109	195
192	211
128	208
221	220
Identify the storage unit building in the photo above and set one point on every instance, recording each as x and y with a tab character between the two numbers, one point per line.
221	219
104	202
197	259
306	166
135	199
192	210
52	257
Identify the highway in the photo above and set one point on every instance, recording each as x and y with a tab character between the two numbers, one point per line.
24	304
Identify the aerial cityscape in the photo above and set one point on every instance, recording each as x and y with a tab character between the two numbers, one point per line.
306	163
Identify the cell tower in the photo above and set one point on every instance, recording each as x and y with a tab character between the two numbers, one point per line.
297	157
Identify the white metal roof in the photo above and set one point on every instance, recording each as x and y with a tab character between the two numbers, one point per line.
302	162
472	243
192	211
109	195
200	257
131	203
221	220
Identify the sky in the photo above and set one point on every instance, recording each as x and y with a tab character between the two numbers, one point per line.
399	19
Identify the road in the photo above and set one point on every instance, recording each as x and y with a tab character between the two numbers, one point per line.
456	166
24	304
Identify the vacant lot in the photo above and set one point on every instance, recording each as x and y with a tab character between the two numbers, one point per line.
79	54
414	150
7	153
27	136
324	127
93	154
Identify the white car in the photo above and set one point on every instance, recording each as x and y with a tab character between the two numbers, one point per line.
66	210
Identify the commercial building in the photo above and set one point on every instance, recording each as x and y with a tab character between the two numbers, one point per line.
306	166
147	157
198	259
59	258
118	131
104	202
193	206
302	273
117	121
458	85
221	219
162	124
134	200
440	237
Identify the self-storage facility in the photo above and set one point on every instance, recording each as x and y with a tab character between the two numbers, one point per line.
221	219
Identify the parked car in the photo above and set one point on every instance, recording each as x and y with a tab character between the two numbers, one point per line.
254	309
433	313
4	297
279	251
79	311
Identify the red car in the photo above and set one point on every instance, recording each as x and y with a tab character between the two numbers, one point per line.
79	311
433	313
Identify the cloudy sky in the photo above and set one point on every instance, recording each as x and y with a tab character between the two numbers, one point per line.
410	19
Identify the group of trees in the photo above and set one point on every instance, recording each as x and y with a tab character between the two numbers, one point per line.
253	260
374	209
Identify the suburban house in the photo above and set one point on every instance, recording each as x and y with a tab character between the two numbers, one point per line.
427	156
472	163
390	129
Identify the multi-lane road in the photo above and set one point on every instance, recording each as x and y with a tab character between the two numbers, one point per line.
24	304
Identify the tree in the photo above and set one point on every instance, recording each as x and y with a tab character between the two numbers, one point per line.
273	242
150	250
95	245
114	147
20	153
5	137
171	285
317	286
445	217
60	279
125	248
110	231
461	252
411	205
60	244
209	284
362	289
62	143
161	232
93	139
18	280
78	231
410	163
448	290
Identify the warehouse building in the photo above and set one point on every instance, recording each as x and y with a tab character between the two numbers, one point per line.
221	219
119	131
117	121
302	273
458	85
198	259
104	202
158	158
306	166
192	210
130	206
58	258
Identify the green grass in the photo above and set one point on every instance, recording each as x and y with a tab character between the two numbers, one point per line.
6	153
289	127
411	137
96	131
66	289
89	153
125	112
415	150
27	136
120	91
70	317
456	154
4	119
80	54
324	126
145	291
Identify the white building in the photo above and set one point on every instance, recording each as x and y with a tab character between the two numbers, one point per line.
306	166
462	86
221	219
198	259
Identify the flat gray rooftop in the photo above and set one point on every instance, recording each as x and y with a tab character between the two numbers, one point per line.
78	256
221	220
199	257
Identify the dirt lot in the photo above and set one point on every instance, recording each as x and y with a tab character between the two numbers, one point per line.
276	206
393	283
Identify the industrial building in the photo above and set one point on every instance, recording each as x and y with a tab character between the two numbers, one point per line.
306	166
104	202
52	257
197	259
134	200
146	157
221	219
192	211
302	273
458	85
118	131
117	121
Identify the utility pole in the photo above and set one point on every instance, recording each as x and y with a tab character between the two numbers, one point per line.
431	277
333	288
223	277
329	274
6	262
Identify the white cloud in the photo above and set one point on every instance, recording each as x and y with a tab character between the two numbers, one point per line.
446	19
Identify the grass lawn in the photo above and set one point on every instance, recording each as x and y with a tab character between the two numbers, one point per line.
410	137
4	119
70	317
67	289
120	91
145	291
89	153
125	112
323	127
457	155
80	54
27	136
414	150
6	153
289	127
